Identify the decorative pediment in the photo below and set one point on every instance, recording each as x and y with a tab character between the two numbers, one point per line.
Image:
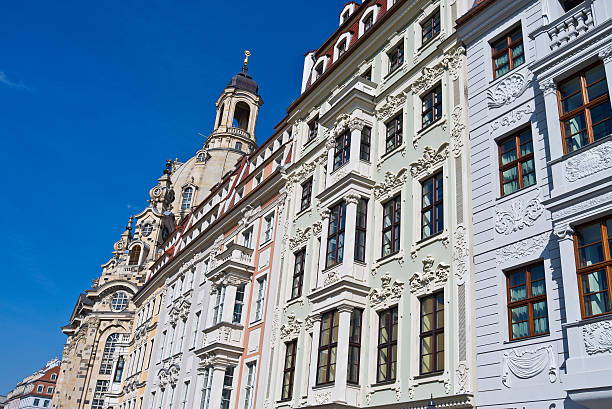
303	171
168	376
430	75
429	279
392	104
388	294
390	184
300	239
291	330
179	311
430	160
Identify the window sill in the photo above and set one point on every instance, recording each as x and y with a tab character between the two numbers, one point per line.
340	167
427	43
579	151
431	375
303	211
601	317
499	79
324	385
383	385
515	194
297	300
399	148
433	238
514	341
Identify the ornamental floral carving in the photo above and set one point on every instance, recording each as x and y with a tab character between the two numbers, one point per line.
597	337
524	248
323	398
391	105
513	117
508	90
303	172
588	163
389	293
346	121
168	376
457	129
461	253
463	379
308	323
331	278
290	330
390	184
519	215
429	278
430	160
180	311
451	62
301	238
317	228
529	363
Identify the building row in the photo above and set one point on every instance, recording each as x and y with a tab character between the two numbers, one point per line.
34	391
429	225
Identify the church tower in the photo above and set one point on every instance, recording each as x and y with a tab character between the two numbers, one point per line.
233	136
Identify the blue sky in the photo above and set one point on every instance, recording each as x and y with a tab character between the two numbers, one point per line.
94	97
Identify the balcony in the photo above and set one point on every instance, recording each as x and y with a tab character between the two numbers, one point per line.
234	260
224	338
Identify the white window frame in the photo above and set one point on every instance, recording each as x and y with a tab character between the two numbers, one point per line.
268	230
196	329
185	395
344	37
218	306
249	384
260	297
207	387
322	62
248	243
373	10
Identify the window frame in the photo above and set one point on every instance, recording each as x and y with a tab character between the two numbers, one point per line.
340	208
396	57
432	94
429	22
249	386
365	144
354	345
434	204
586	107
306	196
238	304
260	297
342	150
313	127
518	161
186	198
389	345
528	301
290	352
433	333
396	137
298	274
507	49
226	391
361	227
396	220
605	265
331	347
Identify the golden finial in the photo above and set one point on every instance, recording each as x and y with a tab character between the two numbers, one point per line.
247	54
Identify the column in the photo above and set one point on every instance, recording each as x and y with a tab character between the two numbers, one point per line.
349	234
330	145
216	387
549	89
314	352
228	303
342	353
197	394
606	57
323	249
571	292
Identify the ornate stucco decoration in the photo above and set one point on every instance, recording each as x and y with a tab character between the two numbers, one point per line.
215	251
291	330
513	117
344	122
548	86
529	363
397	387
461	253
429	278
597	337
390	184
583	206
301	238
588	163
508	90
303	172
317	227
323	398
451	62
207	359
308	323
388	294
519	215
457	130
331	278
463	384
168	376
392	104
428	163
524	248
276	319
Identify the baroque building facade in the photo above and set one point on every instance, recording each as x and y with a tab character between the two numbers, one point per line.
540	124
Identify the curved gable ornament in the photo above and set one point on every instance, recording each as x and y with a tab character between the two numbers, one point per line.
301	237
390	184
508	90
291	330
597	337
529	363
425	281
429	161
389	293
392	104
519	215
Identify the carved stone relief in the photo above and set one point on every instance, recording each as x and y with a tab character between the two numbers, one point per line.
519	215
597	337
392	104
451	62
430	160
513	117
461	253
290	330
585	164
508	90
529	363
390	184
524	248
389	293
457	130
583	206
425	281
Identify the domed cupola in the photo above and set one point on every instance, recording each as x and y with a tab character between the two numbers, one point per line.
244	81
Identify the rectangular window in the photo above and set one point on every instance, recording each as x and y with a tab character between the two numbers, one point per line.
367	74
593	242
150	355
171	401
364	147
508	52
185	395
50	388
163	345
40	389
527	310
218	307
391	226
431	106
207	387
298	274
289	369
341	48
396	57
99	393
226	393
360	229
313	126
328	345
430	27
247	238
516	162
387	346
354	347
46	404
259	301
335	235
171	341
182	338
196	329
394	133
268	227
238	304
249	386
306	194
584	105
432	333
432	206
36	402
342	151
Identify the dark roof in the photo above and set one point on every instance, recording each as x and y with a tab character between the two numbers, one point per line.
243	81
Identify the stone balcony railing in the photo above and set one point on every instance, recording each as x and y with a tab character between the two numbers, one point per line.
236	257
232	131
223	335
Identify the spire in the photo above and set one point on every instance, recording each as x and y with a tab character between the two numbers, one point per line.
162	195
245	67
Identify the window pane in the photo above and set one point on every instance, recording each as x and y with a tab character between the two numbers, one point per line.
596	90
511	187
509	174
528	173
600	118
595	74
519	314
518	56
594	282
569	87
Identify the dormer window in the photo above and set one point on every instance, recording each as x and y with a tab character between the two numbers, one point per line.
134	256
187	196
318	71
368	22
345	16
342	48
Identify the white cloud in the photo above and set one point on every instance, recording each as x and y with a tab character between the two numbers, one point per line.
17	85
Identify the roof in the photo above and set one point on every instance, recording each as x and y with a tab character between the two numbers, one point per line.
479	5
243	81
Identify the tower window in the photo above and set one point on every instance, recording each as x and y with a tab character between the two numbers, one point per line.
187	196
239	146
242	113
134	256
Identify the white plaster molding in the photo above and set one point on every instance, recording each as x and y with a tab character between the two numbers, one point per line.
513	117
388	294
399	256
463	379
390	185
461	253
508	90
521	249
303	172
451	62
529	363
519	215
291	330
548	86
429	279
322	398
583	206
597	337
457	130
391	106
606	54
430	160
300	239
331	278
589	162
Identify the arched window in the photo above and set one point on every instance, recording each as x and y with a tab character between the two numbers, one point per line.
187	196
106	365
221	112
242	112
134	256
119	301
